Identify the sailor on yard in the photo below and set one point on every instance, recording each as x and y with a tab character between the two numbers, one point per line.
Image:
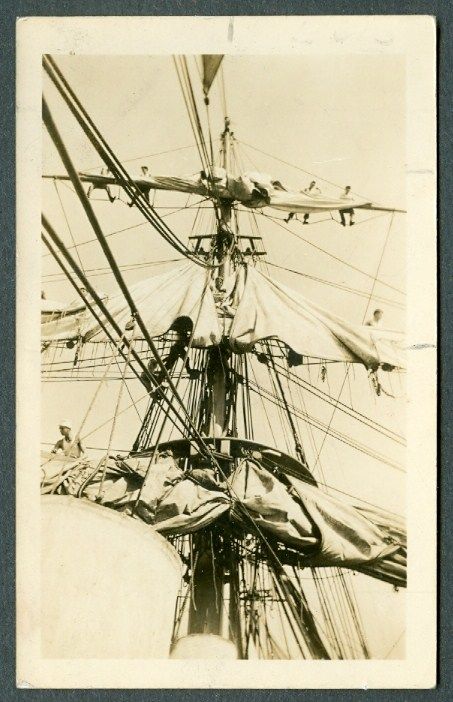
102	186
69	446
311	191
347	196
142	187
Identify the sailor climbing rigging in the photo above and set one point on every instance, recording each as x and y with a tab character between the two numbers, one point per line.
177	350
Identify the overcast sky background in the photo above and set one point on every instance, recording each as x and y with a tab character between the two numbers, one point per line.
342	118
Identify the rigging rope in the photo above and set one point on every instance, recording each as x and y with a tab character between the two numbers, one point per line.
292	165
297	444
166	416
344	438
67	222
105	312
93	400
358	632
90	241
95	272
328	429
336	258
50	125
325	607
223	92
183	74
113	163
395	644
88	304
331	614
112	428
367	421
142	158
142	224
320	586
339	286
364	316
379	265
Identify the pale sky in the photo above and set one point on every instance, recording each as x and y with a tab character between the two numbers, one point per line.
342	118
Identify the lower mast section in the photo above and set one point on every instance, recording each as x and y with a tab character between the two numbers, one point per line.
208	546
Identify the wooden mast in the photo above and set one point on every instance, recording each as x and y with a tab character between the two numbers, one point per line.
209	555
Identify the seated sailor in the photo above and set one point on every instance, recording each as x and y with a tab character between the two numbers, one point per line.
68	445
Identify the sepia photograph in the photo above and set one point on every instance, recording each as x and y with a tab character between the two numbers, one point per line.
227	317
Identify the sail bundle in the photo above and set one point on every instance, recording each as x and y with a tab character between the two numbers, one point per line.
178	294
306	522
269	309
252	189
256	307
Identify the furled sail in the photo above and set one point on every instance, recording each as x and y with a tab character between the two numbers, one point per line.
343	533
260	308
61	320
268	309
182	292
314	525
252	189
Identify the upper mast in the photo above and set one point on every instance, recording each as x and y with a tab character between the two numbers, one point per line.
209	552
226	206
